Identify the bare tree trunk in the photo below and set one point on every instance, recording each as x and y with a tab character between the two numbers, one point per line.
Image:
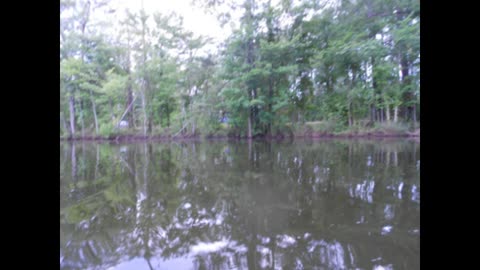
82	52
64	123
150	122
129	101
270	104
145	168
71	104
74	163
94	112
249	149
183	117
387	111
82	118
97	161
84	161
350	153
64	160
168	116
404	64
350	122
130	116
395	114
144	114
193	119
374	89
414	112
251	63
145	81
126	111
249	134
372	113
111	109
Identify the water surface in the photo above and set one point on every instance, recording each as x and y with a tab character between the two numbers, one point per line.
331	204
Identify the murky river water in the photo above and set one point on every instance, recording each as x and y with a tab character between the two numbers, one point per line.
329	204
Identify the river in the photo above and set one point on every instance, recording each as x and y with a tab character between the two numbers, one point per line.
320	204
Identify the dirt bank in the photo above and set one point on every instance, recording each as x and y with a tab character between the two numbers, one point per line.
131	138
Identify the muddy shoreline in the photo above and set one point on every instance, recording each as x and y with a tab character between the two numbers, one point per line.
135	138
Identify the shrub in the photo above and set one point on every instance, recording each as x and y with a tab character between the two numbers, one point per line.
106	129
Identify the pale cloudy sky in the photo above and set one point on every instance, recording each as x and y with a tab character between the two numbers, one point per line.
195	18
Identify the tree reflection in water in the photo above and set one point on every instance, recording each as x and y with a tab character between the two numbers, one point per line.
238	205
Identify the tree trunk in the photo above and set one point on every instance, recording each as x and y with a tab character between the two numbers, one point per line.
405	81
130	116
82	54
350	122
150	124
71	104
414	114
145	80
168	117
255	122
372	113
94	109
97	161
64	123
270	104
250	62
74	163
144	114
387	111
249	134
182	123
395	114
129	101
250	150
374	89
84	175
111	109
82	118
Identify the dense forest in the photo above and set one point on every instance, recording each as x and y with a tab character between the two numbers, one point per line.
288	68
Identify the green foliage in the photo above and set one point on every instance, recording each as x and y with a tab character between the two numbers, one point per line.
323	126
107	129
342	65
395	128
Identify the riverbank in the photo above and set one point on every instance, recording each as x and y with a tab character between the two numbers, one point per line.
278	136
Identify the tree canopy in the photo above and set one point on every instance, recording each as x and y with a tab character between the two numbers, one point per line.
344	64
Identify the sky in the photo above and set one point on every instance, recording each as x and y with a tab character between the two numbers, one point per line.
195	18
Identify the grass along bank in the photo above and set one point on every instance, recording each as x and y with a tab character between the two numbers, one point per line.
316	129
